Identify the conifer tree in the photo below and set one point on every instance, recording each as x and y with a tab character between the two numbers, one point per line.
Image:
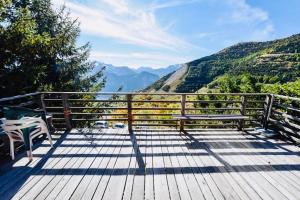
38	50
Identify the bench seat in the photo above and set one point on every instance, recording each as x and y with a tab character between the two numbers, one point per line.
210	117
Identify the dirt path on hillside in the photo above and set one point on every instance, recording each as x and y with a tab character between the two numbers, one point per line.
174	80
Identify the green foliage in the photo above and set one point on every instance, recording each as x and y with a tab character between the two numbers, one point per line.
247	83
38	50
271	88
291	88
166	88
225	83
278	59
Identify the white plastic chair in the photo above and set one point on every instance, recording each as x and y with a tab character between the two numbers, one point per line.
13	129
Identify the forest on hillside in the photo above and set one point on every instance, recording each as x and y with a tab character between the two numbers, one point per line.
276	62
272	66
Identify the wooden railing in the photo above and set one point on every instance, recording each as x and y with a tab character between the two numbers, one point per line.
141	110
284	116
31	100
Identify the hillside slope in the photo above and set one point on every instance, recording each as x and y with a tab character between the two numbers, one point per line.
278	58
169	82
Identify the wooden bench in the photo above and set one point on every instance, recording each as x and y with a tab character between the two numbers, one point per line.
239	118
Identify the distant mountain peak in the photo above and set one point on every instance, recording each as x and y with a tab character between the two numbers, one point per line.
131	79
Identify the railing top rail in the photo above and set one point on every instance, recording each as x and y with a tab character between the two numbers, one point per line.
19	96
165	94
287	97
141	93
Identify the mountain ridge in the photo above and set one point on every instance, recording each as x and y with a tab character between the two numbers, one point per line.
130	79
279	58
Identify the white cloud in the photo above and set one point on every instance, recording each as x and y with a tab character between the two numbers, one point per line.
168	4
119	20
251	18
207	35
242	12
134	59
265	33
125	22
119	6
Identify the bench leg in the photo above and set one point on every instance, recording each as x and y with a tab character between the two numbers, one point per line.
241	125
181	124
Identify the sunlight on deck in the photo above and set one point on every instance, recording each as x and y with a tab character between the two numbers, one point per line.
112	164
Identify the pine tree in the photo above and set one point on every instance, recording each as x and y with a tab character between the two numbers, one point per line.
38	50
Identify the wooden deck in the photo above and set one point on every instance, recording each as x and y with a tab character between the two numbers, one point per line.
156	165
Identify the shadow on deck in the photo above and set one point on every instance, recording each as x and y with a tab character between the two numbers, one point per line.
113	164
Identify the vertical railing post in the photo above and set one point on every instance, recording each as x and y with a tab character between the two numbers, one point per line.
268	110
129	112
47	119
67	111
182	111
243	112
43	105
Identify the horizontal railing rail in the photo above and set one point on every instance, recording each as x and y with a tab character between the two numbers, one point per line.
31	100
73	109
158	94
285	116
19	97
78	109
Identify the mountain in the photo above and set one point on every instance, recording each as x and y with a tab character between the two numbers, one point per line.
278	58
131	79
159	71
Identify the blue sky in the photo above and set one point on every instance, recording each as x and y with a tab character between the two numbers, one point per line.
158	33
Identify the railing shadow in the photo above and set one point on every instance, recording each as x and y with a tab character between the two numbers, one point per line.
138	154
195	144
190	141
20	174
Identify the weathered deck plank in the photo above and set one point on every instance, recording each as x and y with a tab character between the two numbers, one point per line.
73	176
187	171
282	183
182	185
172	183
206	192
55	186
220	171
115	186
52	181
290	175
33	173
89	180
252	175
157	165
161	188
23	168
238	181
149	177
110	169
138	188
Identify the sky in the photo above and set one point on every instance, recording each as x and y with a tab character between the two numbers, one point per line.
158	33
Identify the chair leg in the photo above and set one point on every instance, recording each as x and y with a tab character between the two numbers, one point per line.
49	138
29	155
12	149
29	152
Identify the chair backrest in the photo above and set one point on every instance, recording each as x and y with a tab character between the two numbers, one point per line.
15	113
19	112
